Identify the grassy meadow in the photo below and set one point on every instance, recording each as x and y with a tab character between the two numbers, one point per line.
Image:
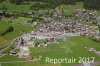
70	48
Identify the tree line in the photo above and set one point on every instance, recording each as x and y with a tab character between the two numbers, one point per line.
94	4
9	29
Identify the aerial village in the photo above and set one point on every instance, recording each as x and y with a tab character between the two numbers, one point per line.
52	29
55	27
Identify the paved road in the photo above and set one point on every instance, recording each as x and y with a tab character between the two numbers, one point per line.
12	42
16	62
48	35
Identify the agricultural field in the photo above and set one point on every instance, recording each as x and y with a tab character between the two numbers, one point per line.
71	48
18	25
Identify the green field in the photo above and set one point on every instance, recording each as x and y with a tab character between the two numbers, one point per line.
73	47
70	9
19	27
15	8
